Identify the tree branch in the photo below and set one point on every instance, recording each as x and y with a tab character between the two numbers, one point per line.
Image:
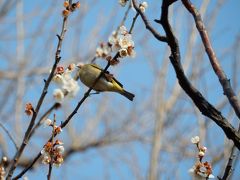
225	82
73	112
147	24
54	106
203	105
18	154
229	167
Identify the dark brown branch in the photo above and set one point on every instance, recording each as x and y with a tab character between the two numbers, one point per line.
134	20
230	164
225	82
28	167
147	24
6	7
203	105
18	154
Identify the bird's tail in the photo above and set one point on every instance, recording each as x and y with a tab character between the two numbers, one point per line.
128	95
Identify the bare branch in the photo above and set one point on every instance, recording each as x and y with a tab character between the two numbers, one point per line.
147	24
14	163
203	105
225	82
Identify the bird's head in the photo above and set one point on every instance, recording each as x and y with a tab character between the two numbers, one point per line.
80	65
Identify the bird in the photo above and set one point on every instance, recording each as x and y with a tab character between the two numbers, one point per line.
88	73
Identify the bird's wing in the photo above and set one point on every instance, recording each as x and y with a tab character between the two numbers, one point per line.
117	81
109	77
96	66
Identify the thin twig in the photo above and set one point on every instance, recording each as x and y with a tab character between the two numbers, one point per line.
225	82
9	135
51	162
134	20
18	154
125	15
54	106
148	25
229	167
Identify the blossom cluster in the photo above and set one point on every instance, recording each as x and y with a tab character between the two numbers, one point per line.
68	86
49	122
53	153
201	170
103	50
120	41
69	8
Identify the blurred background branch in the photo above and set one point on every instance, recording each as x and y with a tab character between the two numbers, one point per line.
110	136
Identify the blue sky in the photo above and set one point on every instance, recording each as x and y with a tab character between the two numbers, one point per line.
136	75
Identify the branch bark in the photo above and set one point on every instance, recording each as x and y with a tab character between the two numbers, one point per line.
225	82
18	154
202	104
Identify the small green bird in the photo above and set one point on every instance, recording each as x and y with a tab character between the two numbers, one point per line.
88	73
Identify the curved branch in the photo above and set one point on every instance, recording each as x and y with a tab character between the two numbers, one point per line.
225	82
147	24
203	105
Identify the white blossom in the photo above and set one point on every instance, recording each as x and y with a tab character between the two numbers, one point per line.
211	176
123	2
25	178
47	122
201	153
103	51
113	38
58	95
200	174
123	30
4	159
67	76
46	159
72	87
126	41
60	149
143	6
195	139
204	149
58	78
